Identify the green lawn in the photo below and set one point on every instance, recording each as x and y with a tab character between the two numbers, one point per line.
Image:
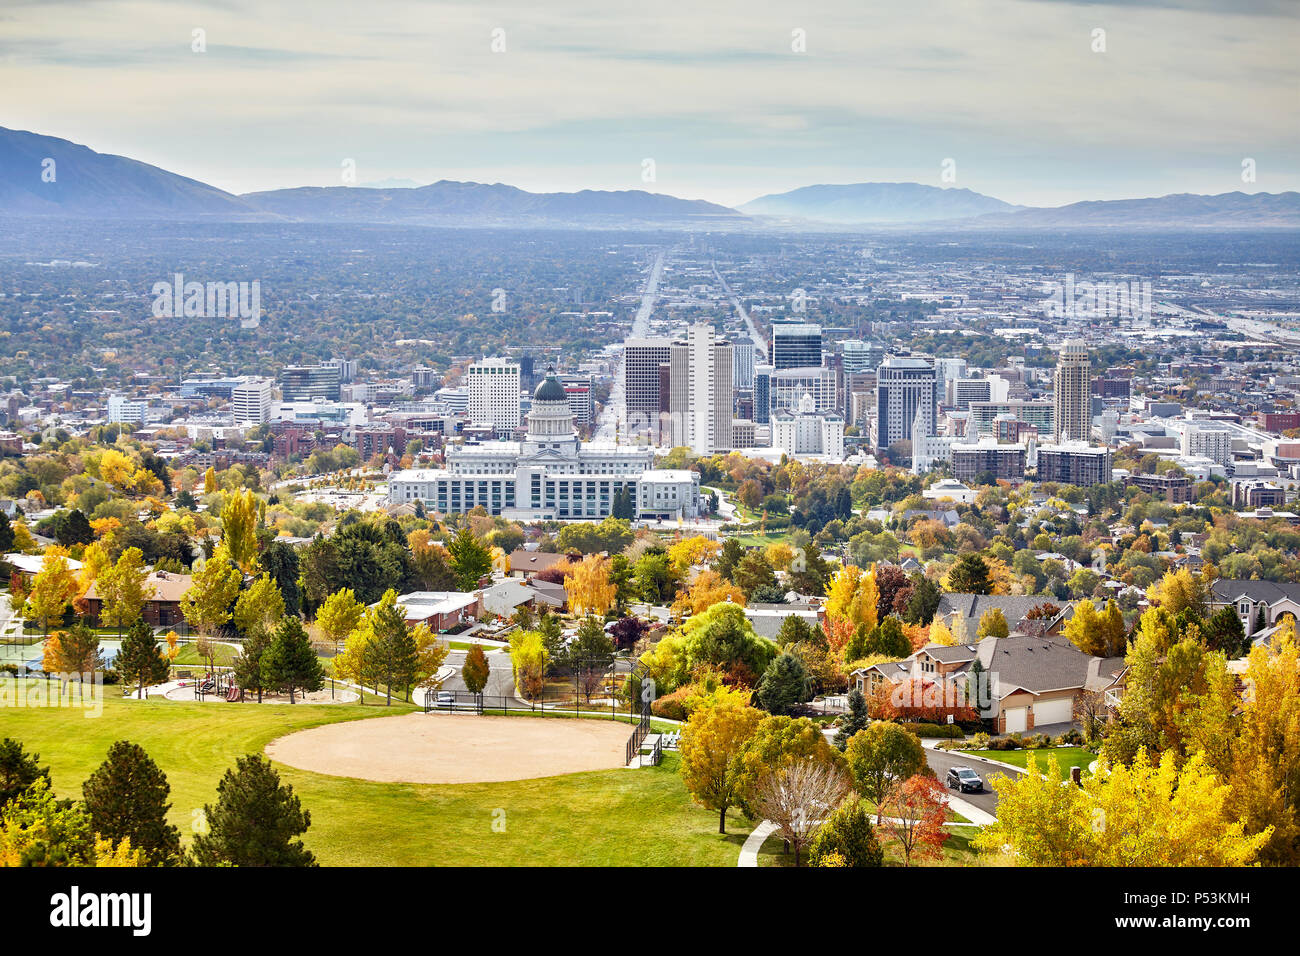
1066	757
611	817
187	655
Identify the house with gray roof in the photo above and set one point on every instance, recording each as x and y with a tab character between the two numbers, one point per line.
1275	599
1014	607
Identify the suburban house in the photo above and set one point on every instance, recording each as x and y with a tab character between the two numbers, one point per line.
162	609
1274	598
29	565
505	597
440	610
525	564
767	619
971	607
1033	681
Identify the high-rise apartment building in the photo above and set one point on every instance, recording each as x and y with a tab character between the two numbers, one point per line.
906	393
1071	388
742	352
493	386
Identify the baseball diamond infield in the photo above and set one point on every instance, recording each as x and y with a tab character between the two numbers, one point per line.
448	748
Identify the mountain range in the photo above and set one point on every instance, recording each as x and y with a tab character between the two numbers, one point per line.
44	176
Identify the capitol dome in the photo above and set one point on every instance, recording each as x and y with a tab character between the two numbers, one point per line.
550	390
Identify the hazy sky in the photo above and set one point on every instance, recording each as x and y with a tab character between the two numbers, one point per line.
1010	90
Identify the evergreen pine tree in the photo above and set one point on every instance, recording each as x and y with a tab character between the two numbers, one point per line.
289	663
140	660
18	770
856	719
127	797
255	820
248	665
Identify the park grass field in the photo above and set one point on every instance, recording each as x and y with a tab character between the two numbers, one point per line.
603	818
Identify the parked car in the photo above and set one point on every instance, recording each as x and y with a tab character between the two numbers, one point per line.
445	697
964	780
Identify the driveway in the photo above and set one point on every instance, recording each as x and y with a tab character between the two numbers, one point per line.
941	761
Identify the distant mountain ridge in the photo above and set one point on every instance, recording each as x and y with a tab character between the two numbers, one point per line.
864	203
44	176
451	200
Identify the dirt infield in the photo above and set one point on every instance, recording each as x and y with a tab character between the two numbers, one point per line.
447	748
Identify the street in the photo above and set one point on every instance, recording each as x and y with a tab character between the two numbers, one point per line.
941	761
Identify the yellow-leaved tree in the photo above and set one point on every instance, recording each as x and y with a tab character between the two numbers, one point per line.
1142	815
853	596
588	586
708	588
711	747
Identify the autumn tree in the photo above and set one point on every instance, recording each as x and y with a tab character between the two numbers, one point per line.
711	746
259	607
1141	815
914	814
708	588
74	651
1179	591
475	671
239	528
123	589
588	586
52	590
206	605
882	757
339	616
847	833
993	623
777	742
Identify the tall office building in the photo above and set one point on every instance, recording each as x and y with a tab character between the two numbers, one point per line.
796	345
251	402
860	356
125	410
1071	385
967	390
906	393
347	368
493	386
641	398
310	383
743	363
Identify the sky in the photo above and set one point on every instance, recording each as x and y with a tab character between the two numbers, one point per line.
1020	99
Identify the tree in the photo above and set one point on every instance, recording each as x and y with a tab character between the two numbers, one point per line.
711	747
395	656
1085	629
1179	591
1143	815
588	586
970	575
123	589
289	663
206	605
259	607
848	835
210	481
797	797
239	529
993	623
430	653
18	770
339	616
248	665
53	588
73	529
255	820
754	573
784	686
470	559
853	596
708	588
36	829
778	742
923	603
140	660
126	798
528	657
627	631
475	671
74	651
281	562
6	534
1223	632
914	814
855	720
882	757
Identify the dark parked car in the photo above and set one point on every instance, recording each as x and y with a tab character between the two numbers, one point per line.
964	780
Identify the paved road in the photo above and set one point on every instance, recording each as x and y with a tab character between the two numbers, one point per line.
760	345
607	422
941	761
501	681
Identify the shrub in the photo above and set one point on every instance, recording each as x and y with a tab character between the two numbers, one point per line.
848	834
944	731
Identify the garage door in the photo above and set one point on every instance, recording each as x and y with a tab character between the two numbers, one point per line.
1058	711
1017	719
